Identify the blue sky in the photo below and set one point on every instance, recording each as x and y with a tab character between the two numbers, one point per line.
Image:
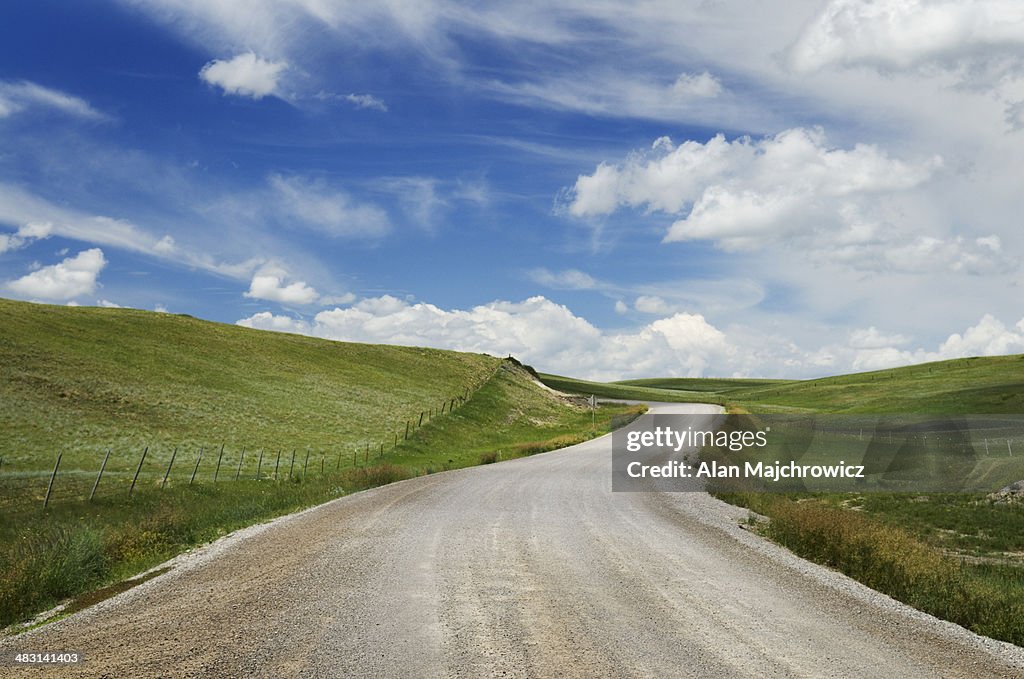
606	190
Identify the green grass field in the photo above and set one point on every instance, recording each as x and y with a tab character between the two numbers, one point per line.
78	381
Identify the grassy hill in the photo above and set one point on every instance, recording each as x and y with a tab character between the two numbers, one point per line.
83	379
981	385
285	422
702	384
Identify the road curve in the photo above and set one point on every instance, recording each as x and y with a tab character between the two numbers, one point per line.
528	568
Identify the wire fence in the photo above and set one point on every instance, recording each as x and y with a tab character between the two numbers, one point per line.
89	475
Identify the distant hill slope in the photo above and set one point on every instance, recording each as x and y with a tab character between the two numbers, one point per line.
981	385
628	391
985	385
87	378
716	385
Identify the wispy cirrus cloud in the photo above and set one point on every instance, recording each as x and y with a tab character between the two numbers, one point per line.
693	295
36	217
21	96
567	279
363	101
330	210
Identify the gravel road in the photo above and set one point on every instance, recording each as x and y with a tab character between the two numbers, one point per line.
527	568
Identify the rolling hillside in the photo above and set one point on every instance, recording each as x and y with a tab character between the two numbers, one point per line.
83	379
984	385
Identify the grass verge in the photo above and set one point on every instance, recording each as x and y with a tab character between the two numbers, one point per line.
984	597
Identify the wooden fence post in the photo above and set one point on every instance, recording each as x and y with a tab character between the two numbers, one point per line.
259	465
99	476
49	488
305	465
407	430
168	472
292	466
421	419
277	465
139	469
240	461
220	457
196	468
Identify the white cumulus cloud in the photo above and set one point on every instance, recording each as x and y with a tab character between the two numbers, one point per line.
265	320
988	337
245	75
66	280
906	33
554	339
271	286
858	206
537	330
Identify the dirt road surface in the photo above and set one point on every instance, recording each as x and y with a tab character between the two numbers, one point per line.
527	568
